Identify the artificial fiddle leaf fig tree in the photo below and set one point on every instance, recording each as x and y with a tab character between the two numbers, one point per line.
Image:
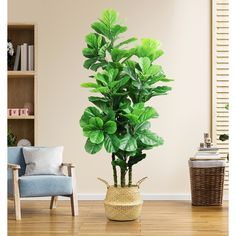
124	78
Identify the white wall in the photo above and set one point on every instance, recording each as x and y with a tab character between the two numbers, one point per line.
183	27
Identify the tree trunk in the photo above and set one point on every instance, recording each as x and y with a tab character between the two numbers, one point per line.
114	171
122	178
130	176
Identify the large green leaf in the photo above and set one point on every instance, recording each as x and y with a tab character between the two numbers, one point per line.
128	143
110	127
149	48
88	113
89	52
92	148
149	138
100	102
96	122
117	29
148	113
96	136
111	143
144	64
89	62
109	17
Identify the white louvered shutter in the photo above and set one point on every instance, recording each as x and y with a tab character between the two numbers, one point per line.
220	75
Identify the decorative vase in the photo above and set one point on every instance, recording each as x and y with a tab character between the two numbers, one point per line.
123	203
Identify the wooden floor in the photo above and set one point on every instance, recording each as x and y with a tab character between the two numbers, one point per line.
159	218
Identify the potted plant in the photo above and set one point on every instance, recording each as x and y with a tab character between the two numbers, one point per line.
125	78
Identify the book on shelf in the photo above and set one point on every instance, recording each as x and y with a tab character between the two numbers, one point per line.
30	57
211	149
207	158
17	58
24	48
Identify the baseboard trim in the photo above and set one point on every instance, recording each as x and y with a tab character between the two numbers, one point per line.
145	196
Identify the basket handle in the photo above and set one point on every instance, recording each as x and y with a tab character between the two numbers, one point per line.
104	181
140	181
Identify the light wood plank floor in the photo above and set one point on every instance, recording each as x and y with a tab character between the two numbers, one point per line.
159	218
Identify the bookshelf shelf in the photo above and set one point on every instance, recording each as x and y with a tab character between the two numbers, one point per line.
22	86
16	73
20	117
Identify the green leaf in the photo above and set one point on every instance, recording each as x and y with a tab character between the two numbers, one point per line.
161	90
128	143
88	129
96	66
101	28
101	90
143	126
89	62
109	17
117	54
130	40
91	40
118	29
149	48
88	113
148	113
102	103
89	52
144	64
96	121
89	85
110	127
100	77
121	163
111	143
149	138
96	136
92	148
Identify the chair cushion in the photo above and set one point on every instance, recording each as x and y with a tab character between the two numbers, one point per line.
43	185
43	160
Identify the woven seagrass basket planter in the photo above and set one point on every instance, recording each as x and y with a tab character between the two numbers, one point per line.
123	203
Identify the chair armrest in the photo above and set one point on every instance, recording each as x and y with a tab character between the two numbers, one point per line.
13	166
68	165
70	168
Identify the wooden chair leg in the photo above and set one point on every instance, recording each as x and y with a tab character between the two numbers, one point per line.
74	204
73	197
16	195
53	203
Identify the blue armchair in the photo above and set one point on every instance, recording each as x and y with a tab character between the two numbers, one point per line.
38	185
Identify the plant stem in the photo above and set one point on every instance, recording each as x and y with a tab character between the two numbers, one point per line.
114	171
122	178
130	176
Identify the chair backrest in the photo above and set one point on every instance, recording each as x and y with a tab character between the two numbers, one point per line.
15	156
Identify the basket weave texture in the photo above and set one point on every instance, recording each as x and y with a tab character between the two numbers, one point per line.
207	186
123	204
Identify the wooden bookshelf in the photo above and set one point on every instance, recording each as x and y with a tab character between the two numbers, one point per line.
22	85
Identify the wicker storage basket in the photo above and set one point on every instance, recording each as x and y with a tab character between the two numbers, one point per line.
123	203
207	185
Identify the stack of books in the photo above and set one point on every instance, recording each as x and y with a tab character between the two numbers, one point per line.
24	59
207	153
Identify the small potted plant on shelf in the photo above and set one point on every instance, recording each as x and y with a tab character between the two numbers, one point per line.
10	55
125	78
11	138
